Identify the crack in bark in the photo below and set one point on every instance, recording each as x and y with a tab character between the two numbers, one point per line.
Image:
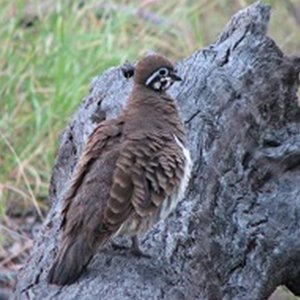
194	115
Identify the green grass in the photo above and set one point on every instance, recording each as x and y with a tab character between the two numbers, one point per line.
45	71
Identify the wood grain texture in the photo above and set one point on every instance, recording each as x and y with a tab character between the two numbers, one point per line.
237	233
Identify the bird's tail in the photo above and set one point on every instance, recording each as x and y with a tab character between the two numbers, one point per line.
72	259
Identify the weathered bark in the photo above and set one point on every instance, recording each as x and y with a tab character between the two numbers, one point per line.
237	233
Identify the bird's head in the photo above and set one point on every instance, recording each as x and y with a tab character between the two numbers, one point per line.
155	72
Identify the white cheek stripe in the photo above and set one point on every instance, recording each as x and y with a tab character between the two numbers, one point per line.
157	85
150	79
168	81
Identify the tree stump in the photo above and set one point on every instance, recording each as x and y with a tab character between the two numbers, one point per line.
236	235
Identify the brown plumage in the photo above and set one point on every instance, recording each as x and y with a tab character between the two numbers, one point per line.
132	173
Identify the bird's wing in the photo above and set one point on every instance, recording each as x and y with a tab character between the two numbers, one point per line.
112	181
100	148
83	230
147	172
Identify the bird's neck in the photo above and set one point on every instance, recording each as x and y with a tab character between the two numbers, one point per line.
152	111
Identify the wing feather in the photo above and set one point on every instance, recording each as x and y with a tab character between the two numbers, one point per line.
148	171
99	149
83	227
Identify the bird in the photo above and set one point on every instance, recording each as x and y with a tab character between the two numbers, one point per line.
133	171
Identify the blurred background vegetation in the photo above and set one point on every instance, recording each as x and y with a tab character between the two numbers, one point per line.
50	51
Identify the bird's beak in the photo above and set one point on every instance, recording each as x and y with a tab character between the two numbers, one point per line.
176	77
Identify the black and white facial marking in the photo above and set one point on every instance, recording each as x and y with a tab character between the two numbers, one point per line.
162	79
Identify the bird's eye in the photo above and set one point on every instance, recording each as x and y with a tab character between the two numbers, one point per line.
163	71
